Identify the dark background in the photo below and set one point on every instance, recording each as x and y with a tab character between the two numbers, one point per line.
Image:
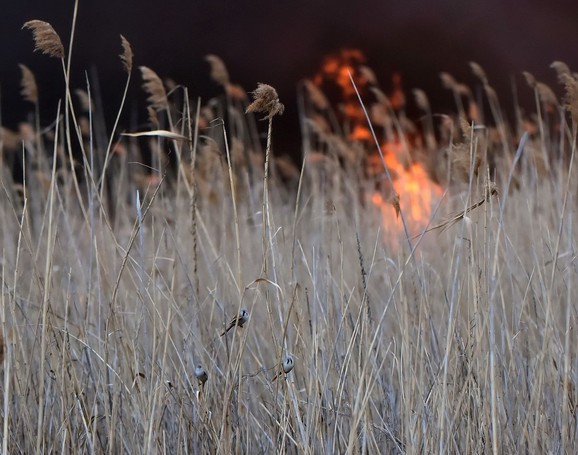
280	42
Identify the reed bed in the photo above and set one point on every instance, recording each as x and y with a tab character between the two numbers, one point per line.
124	257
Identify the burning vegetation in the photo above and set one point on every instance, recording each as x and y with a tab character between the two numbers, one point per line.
406	161
391	150
402	161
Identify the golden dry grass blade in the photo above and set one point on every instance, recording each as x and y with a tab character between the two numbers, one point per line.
158	133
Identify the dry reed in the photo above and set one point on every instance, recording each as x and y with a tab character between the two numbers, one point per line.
265	101
219	71
46	40
153	85
445	346
127	55
28	83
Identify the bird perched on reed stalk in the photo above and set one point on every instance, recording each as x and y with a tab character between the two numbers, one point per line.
237	321
286	367
201	375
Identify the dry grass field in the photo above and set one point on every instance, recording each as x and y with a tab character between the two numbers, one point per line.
440	322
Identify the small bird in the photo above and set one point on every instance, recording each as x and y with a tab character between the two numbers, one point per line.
201	375
238	320
286	367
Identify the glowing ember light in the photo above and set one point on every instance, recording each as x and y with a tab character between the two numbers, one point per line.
416	192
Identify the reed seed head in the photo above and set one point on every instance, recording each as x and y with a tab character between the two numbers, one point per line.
127	55
266	101
219	71
562	70
571	98
316	96
546	94
479	72
530	79
153	85
28	84
448	81
46	40
421	99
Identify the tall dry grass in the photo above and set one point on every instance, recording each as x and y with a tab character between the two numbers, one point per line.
117	282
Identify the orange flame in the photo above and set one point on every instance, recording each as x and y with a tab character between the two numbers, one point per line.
414	192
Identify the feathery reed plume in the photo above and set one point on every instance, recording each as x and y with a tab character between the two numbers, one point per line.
421	99
155	89
461	153
562	70
127	55
379	115
466	128
286	168
530	79
381	97
266	101
46	40
28	84
571	98
546	94
448	81
316	96
368	74
422	102
479	72
219	71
